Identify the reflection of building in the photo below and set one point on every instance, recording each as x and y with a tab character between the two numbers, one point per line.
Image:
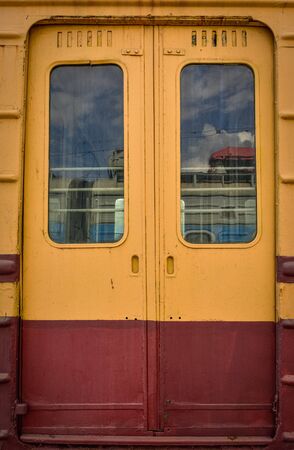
116	164
86	204
239	160
242	158
220	199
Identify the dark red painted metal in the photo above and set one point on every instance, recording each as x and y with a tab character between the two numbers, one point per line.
9	268
286	375
81	374
91	375
230	364
152	375
8	367
157	441
285	269
288	323
281	441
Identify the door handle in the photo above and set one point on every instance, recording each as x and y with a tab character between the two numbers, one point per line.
135	264
170	266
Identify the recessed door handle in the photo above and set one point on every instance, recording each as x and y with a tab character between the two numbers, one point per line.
135	264
170	266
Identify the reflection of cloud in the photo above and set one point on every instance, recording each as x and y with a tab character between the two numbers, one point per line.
217	110
245	136
207	88
198	151
86	113
208	130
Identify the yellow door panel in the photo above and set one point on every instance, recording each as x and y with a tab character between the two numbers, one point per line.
217	160
84	209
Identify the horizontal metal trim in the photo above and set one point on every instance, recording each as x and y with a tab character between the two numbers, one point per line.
5	322
220	406
4	378
288	323
10	35
9	113
131	323
21	409
162	3
154	20
144	440
288	436
287	179
84	406
9	268
4	434
287	36
8	177
288	379
287	115
285	269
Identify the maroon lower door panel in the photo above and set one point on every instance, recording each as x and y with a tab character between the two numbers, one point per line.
91	377
218	378
84	377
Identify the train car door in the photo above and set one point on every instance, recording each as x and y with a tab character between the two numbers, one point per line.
217	249
148	299
83	331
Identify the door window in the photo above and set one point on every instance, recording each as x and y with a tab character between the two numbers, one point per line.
86	182
218	176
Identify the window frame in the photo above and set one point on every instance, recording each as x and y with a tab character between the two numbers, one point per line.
46	163
256	81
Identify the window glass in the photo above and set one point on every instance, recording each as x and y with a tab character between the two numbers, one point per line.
86	180
218	174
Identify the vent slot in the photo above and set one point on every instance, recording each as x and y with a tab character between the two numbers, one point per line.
84	38
219	38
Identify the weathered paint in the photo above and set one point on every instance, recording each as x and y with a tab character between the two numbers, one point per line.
18	16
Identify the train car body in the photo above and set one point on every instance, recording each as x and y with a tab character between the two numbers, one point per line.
146	245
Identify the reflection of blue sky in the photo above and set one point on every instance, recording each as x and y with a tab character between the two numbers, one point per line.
217	110
86	115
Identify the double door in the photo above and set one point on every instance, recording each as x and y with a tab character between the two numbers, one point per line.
148	295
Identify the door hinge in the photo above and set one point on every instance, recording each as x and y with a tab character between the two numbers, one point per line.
21	409
132	51
174	51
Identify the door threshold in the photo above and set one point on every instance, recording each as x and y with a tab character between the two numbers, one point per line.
145	440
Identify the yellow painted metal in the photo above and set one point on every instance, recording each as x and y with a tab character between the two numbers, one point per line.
217	281
231	282
83	281
286	304
11	95
8	300
286	137
18	16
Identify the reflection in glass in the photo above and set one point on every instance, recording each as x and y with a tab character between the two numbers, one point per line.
218	176
86	180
